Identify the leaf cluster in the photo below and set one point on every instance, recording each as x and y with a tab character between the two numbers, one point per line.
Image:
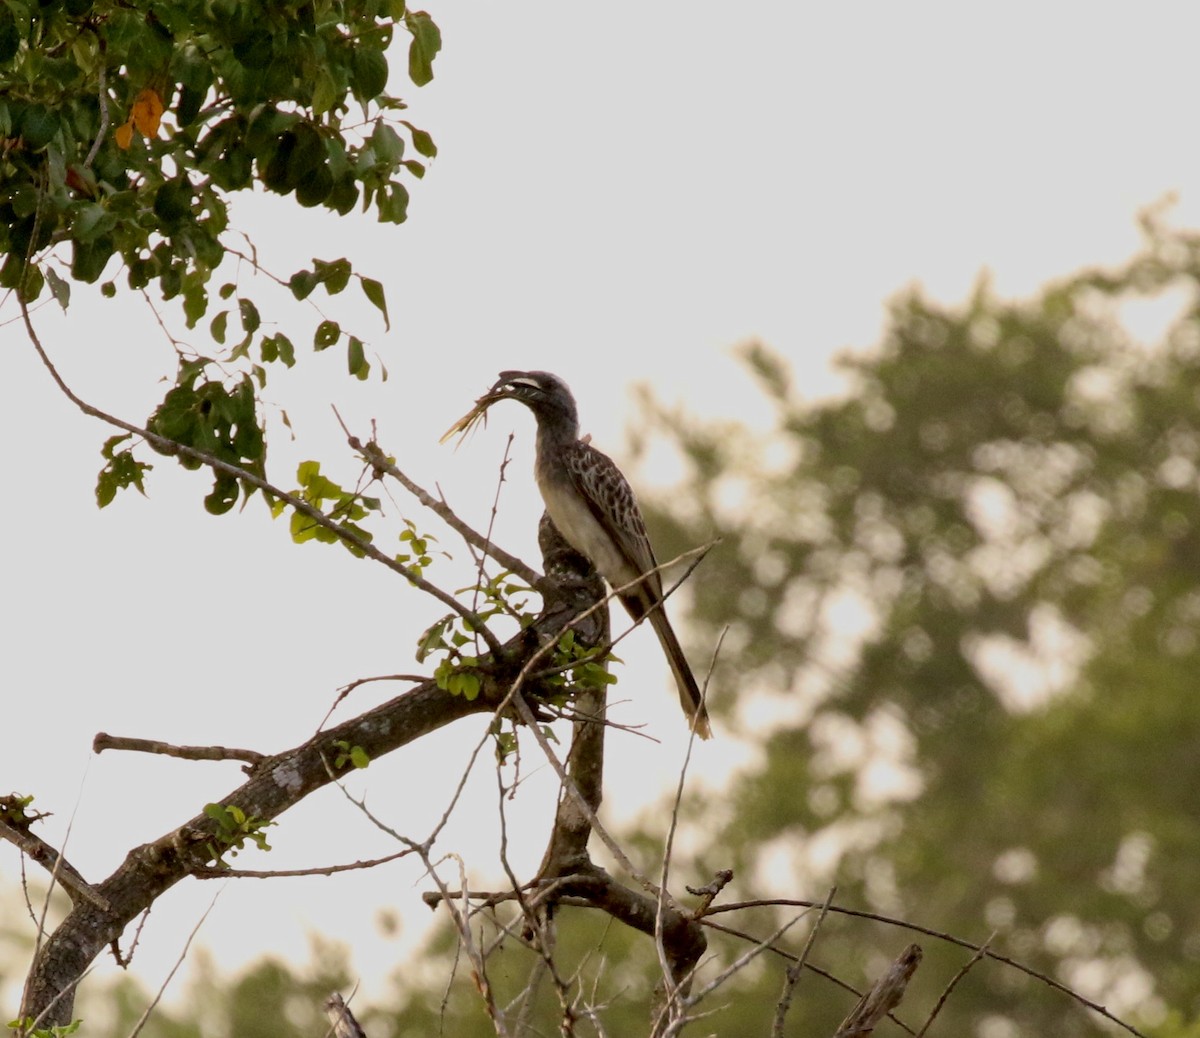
234	828
346	508
126	130
225	95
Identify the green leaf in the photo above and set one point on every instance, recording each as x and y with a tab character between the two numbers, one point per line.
325	93
10	37
39	124
356	361
328	332
421	141
195	301
426	42
217	328
358	757
373	290
91	220
392	203
302	283
334	274
249	315
60	289
287	352
368	72
122	470
387	143
223	496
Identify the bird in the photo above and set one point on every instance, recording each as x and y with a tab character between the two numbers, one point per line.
593	506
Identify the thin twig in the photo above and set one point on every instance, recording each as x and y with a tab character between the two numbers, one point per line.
168	446
174	969
792	976
784	954
374	455
103	99
680	1018
323	870
660	907
903	924
954	983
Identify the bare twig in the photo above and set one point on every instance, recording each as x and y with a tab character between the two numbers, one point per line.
103	99
784	954
174	969
679	1019
103	741
345	690
168	446
903	924
792	976
322	870
374	455
954	983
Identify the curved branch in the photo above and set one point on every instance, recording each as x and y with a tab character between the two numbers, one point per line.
168	446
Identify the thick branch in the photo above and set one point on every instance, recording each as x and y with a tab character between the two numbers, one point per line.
40	851
276	783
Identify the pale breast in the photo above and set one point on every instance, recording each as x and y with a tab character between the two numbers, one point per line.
583	531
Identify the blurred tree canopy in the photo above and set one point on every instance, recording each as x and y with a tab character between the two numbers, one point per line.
970	594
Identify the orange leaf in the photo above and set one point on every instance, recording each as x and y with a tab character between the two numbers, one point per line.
147	112
124	135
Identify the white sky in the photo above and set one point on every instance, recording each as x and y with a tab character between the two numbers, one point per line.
622	195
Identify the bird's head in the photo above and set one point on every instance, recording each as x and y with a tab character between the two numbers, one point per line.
546	395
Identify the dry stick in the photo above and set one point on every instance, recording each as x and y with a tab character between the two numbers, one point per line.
59	862
568	783
374	455
883	997
124	960
669	987
168	446
103	129
481	560
174	969
954	983
541	940
321	870
792	976
836	981
103	741
461	919
680	1020
949	939
345	690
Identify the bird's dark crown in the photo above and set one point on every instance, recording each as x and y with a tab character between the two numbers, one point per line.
546	395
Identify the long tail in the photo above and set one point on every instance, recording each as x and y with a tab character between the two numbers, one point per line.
689	692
